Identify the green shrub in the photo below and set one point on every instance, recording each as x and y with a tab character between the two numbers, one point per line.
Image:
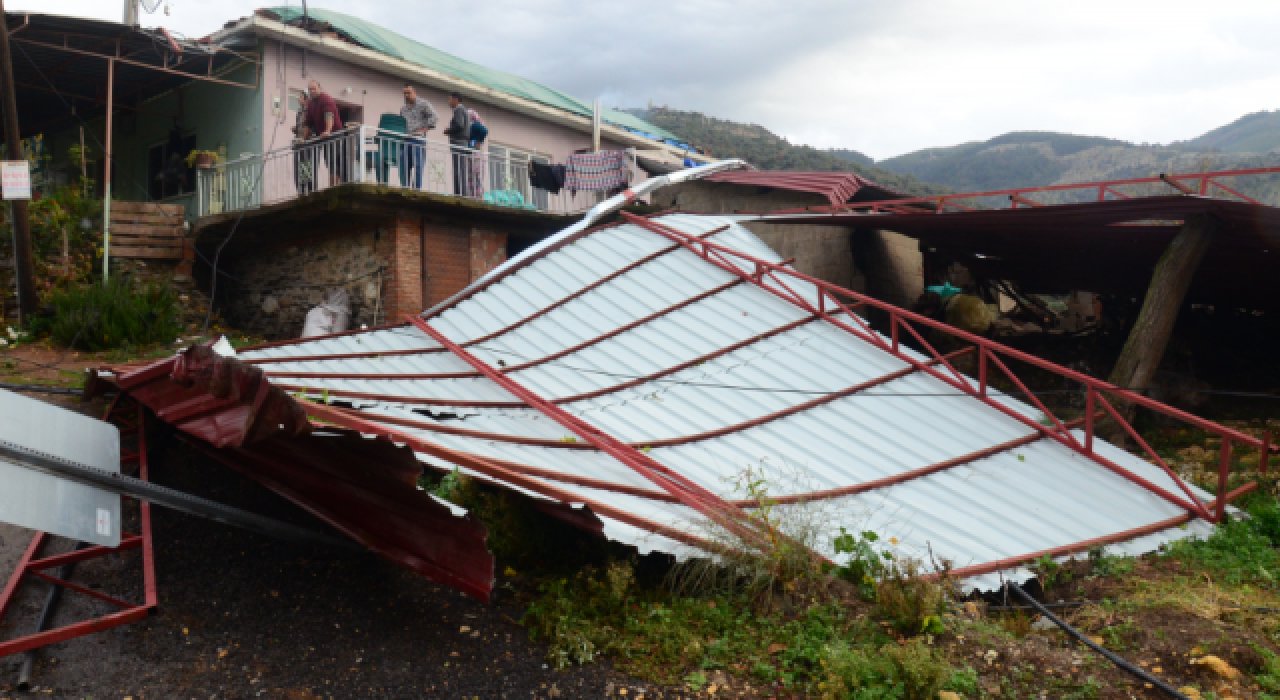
911	602
1241	551
114	315
912	671
917	668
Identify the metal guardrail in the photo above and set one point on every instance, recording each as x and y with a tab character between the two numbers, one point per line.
369	155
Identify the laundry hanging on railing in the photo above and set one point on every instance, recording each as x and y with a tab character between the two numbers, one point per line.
603	170
547	176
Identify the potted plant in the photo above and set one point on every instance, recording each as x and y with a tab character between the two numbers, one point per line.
201	159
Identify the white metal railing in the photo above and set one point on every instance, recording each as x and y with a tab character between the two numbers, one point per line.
369	155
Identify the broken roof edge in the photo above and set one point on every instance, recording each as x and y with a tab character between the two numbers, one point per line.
583	227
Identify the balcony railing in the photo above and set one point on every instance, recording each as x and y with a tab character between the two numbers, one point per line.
371	156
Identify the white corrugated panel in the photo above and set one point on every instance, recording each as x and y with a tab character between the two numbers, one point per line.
1032	498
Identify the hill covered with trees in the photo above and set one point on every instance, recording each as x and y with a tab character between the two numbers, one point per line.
768	151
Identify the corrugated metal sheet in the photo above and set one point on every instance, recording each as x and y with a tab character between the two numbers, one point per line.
836	187
766	403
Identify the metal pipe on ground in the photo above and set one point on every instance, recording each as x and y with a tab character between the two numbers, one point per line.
46	618
170	498
1080	637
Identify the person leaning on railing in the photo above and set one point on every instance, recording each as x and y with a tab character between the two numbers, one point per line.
324	121
304	168
419	118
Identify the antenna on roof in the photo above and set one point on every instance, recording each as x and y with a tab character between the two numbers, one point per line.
305	19
131	13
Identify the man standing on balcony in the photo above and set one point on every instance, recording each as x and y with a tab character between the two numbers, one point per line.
459	133
419	118
324	120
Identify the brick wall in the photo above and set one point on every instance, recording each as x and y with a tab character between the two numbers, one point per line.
448	261
403	255
488	250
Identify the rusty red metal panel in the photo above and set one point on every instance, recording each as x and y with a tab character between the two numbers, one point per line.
365	488
836	187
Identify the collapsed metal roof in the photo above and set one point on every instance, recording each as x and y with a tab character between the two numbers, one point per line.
639	369
61	64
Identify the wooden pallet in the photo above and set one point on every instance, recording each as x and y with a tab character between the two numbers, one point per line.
147	230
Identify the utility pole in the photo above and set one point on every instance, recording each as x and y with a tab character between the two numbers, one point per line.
23	267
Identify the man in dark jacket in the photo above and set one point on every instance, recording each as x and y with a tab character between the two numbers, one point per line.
459	133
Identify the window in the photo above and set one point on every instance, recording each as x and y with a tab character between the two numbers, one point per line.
509	170
167	171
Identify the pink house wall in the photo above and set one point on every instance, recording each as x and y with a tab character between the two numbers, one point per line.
379	93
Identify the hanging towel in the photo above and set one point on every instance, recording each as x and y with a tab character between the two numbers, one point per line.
603	170
546	176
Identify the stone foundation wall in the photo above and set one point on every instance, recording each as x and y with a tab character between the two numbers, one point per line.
821	251
380	264
273	290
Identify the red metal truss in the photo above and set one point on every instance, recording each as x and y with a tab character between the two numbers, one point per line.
1016	195
34	566
496	470
689	492
1078	547
665	442
366	419
771	277
466	344
532	363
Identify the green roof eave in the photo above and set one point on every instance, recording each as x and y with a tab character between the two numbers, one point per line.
376	38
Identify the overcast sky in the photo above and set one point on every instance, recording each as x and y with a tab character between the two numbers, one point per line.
884	78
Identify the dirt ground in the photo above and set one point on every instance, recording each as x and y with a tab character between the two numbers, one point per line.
243	616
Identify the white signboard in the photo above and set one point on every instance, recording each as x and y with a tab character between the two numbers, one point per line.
15	179
45	502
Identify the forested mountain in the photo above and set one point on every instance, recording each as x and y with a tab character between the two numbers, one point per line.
768	151
1253	133
1034	158
1015	159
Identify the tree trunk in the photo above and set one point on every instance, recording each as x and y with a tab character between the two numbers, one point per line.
1150	335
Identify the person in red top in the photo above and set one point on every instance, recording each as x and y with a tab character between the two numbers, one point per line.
324	120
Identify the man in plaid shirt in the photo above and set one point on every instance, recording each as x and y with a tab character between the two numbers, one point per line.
419	118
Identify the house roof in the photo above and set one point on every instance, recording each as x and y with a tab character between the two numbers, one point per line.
838	188
644	369
1109	246
385	41
60	66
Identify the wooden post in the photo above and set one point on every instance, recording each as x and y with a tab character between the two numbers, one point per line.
23	266
1151	332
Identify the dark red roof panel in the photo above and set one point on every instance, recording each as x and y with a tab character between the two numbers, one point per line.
836	187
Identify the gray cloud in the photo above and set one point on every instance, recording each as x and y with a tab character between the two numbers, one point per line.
881	77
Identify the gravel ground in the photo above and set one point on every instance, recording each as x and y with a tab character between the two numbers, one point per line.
243	616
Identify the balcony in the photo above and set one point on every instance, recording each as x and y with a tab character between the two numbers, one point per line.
367	155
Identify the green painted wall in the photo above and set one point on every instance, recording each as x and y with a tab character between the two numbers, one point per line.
218	115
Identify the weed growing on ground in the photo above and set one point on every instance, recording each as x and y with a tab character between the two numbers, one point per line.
865	564
1239	551
666	637
776	556
913	671
913	604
